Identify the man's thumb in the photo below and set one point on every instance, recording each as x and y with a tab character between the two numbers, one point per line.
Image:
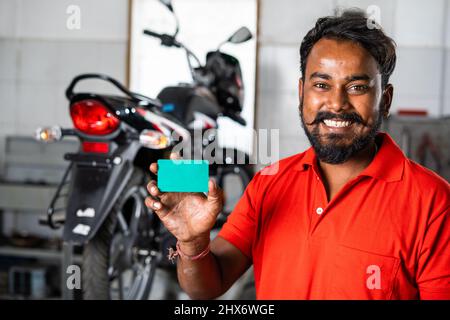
214	193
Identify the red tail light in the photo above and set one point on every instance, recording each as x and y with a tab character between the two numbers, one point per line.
92	117
95	147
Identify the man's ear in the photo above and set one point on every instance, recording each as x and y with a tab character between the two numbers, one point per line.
300	90
388	94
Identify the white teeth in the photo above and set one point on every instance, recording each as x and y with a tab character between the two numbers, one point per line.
337	124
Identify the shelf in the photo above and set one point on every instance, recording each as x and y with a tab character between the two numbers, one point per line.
45	254
25	196
20	297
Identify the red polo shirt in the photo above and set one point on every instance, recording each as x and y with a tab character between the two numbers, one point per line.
385	235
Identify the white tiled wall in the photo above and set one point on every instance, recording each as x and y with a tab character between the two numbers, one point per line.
104	20
419	23
387	11
8	14
279	67
446	110
447	63
420	28
286	21
39	56
417	78
282	26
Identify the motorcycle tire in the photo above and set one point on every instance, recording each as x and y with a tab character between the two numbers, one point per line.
97	253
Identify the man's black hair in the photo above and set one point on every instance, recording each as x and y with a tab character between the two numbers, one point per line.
353	25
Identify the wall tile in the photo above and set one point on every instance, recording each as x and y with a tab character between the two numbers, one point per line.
8	15
36	106
447	24
446	109
38	61
113	60
86	57
416	102
419	23
418	71
62	115
8	59
279	111
288	22
387	11
100	19
8	103
77	57
279	68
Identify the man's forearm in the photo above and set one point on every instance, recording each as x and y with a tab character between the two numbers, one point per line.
200	278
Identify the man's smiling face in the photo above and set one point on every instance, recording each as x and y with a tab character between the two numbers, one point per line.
341	99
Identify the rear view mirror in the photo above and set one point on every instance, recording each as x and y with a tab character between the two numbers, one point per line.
241	35
168	4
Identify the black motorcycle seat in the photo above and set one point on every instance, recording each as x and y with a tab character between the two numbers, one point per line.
183	102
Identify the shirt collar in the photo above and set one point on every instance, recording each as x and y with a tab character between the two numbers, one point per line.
387	165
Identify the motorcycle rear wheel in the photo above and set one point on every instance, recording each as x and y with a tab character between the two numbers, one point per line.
109	271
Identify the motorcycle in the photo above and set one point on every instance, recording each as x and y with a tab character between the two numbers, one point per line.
217	90
100	199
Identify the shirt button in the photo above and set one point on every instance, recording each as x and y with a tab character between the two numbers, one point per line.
319	210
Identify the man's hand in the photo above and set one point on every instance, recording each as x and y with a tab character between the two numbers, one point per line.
188	216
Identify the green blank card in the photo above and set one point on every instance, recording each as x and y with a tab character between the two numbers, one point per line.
183	175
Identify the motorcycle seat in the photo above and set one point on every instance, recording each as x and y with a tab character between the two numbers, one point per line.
183	102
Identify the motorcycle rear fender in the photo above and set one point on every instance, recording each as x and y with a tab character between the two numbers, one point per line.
93	192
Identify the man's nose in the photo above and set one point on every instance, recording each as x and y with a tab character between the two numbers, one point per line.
338	100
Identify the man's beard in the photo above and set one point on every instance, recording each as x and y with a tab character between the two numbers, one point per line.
333	152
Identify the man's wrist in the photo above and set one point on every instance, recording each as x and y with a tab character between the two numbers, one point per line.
194	247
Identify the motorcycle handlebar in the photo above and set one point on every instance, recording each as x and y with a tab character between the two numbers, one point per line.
170	41
153	34
166	40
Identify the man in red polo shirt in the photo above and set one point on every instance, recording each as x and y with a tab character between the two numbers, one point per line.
349	218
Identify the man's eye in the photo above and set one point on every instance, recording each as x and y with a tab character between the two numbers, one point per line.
321	85
359	88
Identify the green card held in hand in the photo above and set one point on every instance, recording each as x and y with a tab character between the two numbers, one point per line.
183	175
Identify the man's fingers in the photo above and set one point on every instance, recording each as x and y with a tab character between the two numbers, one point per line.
154	168
153	203
212	188
153	189
215	197
157	207
175	156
